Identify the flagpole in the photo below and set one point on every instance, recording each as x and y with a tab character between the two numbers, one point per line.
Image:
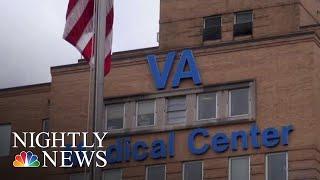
99	56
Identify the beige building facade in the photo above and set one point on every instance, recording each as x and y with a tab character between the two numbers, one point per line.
255	114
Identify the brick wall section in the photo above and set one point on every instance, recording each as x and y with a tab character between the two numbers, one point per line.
70	93
283	61
181	29
24	108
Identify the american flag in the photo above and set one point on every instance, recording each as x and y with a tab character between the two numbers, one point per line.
79	30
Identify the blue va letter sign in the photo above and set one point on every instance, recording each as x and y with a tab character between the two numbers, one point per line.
161	78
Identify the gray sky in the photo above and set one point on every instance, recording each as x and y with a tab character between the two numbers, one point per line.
31	36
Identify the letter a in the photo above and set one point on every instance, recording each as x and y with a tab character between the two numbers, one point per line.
186	58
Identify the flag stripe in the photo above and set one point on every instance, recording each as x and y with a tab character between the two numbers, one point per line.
71	5
74	15
79	27
87	52
109	21
108	41
107	64
85	37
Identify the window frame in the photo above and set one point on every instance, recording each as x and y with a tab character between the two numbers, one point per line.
190	162
235	23
154	113
239	157
157	165
123	117
44	123
240	12
230	101
167	111
119	169
217	108
204	27
266	164
10	139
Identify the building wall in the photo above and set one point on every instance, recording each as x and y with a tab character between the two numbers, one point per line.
24	109
70	92
181	29
281	59
286	75
285	82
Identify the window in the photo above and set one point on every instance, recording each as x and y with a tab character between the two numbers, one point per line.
212	28
45	125
239	168
114	174
5	141
145	113
243	23
45	128
157	172
207	106
277	166
176	108
239	102
115	114
192	171
80	176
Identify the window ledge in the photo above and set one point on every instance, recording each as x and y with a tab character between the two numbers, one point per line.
243	37
210	42
179	127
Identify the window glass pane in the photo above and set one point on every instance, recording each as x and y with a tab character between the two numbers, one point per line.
80	176
145	113
156	172
45	125
243	17
210	22
176	109
192	171
114	174
239	102
207	106
177	103
5	143
239	168
115	114
212	28
177	116
277	166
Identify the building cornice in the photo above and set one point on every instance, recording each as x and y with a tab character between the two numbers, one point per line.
24	90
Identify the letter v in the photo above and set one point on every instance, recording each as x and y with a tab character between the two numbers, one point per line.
161	78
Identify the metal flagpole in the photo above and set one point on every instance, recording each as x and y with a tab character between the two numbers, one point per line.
99	56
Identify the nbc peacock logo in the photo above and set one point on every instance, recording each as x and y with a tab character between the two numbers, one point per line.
26	159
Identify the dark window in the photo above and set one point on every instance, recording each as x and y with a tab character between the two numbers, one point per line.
243	23
239	102
113	174
79	176
212	28
5	134
45	128
145	113
176	107
192	171
157	172
277	167
115	115
239	168
207	106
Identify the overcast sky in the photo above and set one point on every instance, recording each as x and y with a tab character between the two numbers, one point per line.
31	36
